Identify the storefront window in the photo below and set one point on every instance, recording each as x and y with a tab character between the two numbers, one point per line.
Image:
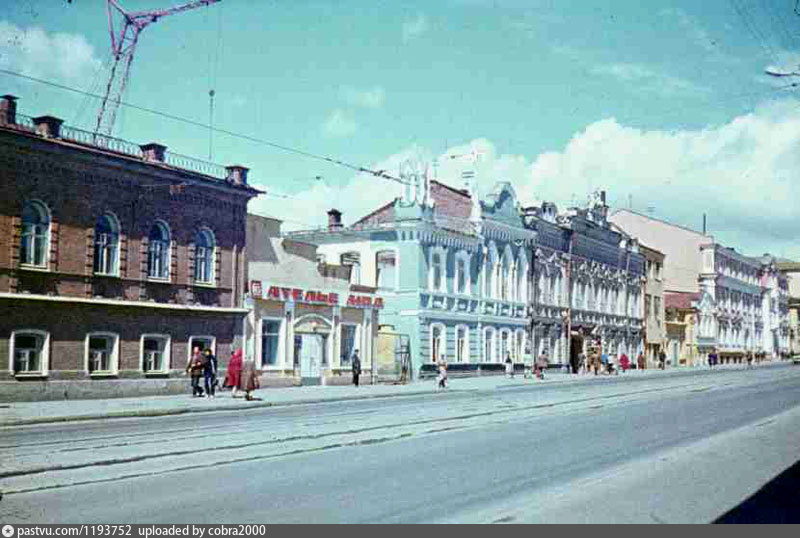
270	337
348	343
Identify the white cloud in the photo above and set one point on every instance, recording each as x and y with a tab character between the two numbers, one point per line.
67	58
373	97
742	174
339	124
648	79
415	27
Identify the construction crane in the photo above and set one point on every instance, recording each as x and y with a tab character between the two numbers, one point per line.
123	46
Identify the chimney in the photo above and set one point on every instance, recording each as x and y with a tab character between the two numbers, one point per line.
153	152
48	126
704	224
603	197
334	220
237	174
8	110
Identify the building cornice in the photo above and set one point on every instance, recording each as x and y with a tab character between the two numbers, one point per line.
129	304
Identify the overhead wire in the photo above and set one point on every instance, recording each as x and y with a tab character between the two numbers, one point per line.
383	174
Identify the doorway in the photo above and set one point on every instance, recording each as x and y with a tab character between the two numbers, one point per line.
575	349
310	350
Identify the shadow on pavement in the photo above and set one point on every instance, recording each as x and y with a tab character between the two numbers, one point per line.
776	502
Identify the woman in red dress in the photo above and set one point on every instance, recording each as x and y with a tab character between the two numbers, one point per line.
234	373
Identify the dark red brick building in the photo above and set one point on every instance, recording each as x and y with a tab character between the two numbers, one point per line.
115	260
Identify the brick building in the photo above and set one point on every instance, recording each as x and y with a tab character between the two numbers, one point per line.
115	260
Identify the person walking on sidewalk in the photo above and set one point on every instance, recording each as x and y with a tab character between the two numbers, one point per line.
233	375
662	359
356	366
195	368
541	364
442	377
624	362
248	381
640	362
210	374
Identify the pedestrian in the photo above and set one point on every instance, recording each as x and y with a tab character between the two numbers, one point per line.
541	364
604	362
210	374
750	360
442	377
582	368
356	366
624	362
712	358
509	365
662	359
234	374
248	381
195	368
641	364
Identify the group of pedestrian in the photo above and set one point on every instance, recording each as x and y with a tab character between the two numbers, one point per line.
241	375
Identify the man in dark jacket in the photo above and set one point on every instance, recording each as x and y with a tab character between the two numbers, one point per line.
356	367
210	373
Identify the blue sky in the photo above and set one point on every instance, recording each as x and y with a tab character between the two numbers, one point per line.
665	106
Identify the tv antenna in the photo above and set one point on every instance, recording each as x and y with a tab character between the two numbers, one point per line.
123	47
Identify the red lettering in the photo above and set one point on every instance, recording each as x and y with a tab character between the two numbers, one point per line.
274	292
311	296
297	295
379	302
333	298
287	293
351	301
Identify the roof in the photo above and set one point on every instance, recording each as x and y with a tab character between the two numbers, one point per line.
668	223
448	202
675	299
788	266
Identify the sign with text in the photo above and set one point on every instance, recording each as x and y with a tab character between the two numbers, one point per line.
299	295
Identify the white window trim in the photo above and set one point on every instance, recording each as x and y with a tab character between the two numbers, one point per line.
356	341
168	278
167	353
396	284
190	345
212	280
442	251
519	337
443	348
466	343
45	266
500	344
463	255
281	358
487	331
113	361
116	222
44	360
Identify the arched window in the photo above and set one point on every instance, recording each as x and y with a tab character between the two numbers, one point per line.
158	251
462	343
106	245
436	281
462	273
35	234
522	271
505	345
505	279
204	249
438	342
488	344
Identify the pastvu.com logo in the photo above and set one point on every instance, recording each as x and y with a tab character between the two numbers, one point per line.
8	531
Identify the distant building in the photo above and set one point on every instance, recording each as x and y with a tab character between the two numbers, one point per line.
792	271
654	311
117	260
681	315
306	319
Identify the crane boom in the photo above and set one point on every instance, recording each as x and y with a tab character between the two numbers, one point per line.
123	47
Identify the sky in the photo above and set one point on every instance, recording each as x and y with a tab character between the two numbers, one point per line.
665	106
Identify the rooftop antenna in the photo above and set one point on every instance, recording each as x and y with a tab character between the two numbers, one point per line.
123	47
211	94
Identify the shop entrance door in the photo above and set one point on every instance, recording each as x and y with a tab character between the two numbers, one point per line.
312	357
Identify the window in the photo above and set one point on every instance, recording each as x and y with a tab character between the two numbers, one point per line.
106	245
202	342
505	279
385	263
462	344
270	338
519	346
505	345
348	344
158	251
487	278
353	259
521	275
436	272
437	342
101	353
29	352
488	344
35	234
204	249
156	347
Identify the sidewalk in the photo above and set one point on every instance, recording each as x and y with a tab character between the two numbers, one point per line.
26	413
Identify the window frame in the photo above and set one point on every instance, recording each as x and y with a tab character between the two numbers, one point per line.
491	341
466	354
44	355
442	348
355	265
442	253
113	359
167	358
210	258
396	256
519	343
356	338
115	232
46	236
167	262
462	256
279	350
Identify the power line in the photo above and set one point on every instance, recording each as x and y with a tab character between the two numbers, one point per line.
376	173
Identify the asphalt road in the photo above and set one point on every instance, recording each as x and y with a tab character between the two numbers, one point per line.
439	457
